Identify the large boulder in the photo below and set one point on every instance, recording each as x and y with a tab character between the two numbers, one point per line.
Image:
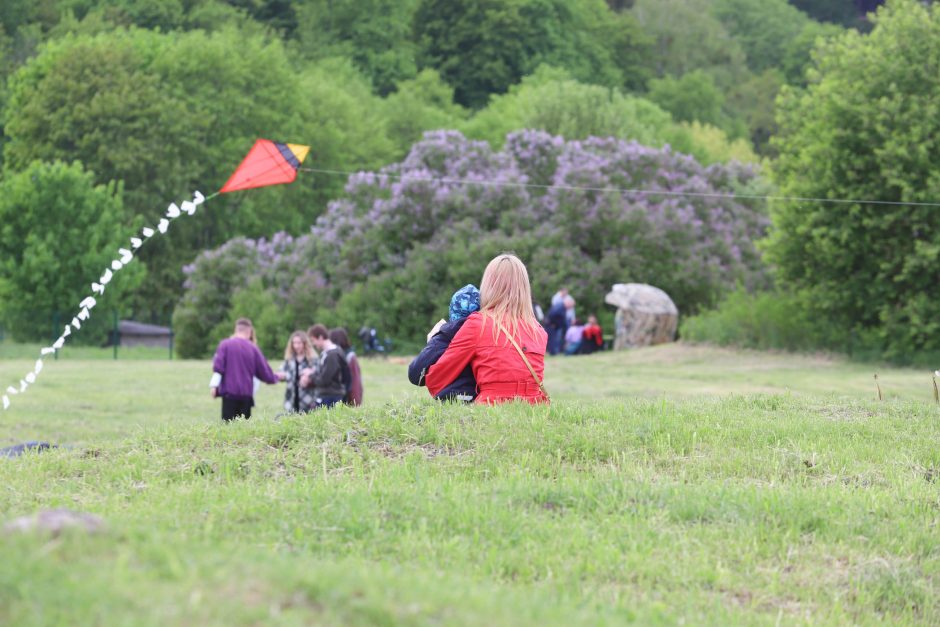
645	315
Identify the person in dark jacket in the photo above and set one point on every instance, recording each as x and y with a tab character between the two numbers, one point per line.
330	382
354	388
464	302
557	325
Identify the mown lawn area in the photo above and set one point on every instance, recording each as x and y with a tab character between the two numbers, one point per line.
670	485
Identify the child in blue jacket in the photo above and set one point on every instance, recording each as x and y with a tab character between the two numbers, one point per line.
464	302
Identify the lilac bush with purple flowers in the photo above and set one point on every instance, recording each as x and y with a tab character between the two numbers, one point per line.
401	240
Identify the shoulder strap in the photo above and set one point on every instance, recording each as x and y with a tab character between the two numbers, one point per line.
515	344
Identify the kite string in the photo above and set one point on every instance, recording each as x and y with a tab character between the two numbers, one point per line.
125	256
620	190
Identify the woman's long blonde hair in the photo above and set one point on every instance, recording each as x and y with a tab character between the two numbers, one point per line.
506	296
309	353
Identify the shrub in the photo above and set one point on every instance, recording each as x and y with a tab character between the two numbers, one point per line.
391	252
763	320
782	320
58	233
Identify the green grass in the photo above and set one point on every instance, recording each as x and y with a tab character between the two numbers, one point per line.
675	484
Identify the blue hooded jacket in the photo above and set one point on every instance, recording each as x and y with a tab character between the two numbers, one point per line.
464	386
465	301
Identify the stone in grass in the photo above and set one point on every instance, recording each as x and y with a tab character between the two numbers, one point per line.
56	521
19	449
645	315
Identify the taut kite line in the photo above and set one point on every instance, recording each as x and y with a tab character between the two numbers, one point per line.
267	163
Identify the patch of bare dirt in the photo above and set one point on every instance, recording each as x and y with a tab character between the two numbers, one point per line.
397	451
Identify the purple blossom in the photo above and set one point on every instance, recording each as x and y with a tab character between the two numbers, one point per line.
588	213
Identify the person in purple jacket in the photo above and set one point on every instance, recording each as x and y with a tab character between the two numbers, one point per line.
238	360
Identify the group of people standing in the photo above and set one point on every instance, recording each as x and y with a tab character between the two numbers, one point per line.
566	332
320	370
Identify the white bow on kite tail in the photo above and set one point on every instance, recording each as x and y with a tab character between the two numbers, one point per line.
125	256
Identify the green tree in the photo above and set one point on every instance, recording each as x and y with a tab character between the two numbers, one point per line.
162	14
171	113
58	233
15	14
763	28
772	33
867	127
752	105
481	47
278	14
693	97
845	12
421	104
375	34
687	37
550	100
593	44
711	145
798	53
90	17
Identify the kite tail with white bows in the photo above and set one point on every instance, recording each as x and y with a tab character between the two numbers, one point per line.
125	256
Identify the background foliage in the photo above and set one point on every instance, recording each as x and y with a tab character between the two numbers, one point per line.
391	252
152	100
60	230
870	268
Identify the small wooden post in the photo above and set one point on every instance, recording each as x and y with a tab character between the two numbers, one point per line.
878	388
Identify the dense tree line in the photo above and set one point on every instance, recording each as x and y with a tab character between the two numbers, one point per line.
148	100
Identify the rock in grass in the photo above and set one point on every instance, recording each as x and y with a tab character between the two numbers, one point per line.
18	449
645	315
55	521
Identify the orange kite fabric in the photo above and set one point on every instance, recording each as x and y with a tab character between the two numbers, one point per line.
267	163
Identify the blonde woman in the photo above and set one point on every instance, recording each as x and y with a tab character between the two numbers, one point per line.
502	342
299	356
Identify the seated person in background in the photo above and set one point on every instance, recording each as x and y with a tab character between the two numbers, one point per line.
573	338
370	340
593	337
464	302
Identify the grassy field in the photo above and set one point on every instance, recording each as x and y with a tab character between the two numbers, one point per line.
669	485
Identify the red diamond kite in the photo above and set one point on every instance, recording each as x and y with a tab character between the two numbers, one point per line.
267	163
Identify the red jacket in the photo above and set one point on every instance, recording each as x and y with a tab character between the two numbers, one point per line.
500	372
